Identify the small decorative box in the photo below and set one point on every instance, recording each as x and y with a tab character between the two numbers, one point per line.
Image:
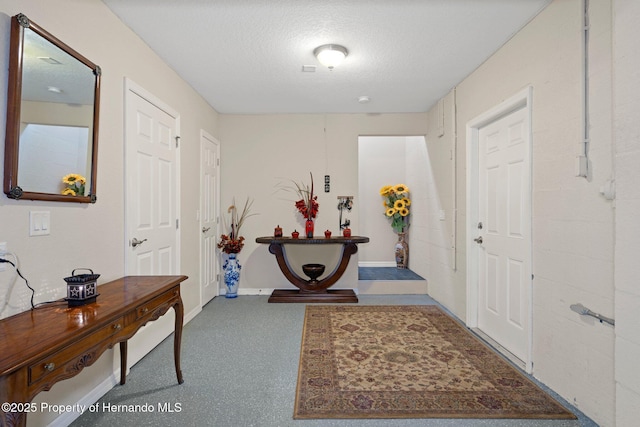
81	288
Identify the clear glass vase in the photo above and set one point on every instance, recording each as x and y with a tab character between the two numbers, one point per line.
402	251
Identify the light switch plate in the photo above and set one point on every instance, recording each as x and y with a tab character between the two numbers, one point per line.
39	223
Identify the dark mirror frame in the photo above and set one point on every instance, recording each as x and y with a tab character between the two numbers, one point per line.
14	98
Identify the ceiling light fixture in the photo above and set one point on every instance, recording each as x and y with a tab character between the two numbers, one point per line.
49	60
330	55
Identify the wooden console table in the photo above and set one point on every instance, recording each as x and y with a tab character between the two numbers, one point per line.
52	343
313	290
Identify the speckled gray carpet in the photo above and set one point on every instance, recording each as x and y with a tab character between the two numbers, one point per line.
240	359
407	362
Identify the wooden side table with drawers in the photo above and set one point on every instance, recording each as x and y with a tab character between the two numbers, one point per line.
52	343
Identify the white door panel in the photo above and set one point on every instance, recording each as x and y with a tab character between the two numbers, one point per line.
504	206
151	187
151	201
209	214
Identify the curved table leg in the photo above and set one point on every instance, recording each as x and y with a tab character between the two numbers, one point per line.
123	362
177	338
313	291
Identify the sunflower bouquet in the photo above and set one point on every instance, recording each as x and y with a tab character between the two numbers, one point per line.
74	185
396	203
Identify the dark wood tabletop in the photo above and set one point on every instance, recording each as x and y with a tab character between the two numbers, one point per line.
24	336
315	240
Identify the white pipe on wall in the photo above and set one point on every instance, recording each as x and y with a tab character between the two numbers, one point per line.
454	155
582	167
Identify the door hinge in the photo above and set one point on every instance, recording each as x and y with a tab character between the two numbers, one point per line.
177	223
177	141
217	220
218	161
217	277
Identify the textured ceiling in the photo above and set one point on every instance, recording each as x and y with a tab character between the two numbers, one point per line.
74	81
246	56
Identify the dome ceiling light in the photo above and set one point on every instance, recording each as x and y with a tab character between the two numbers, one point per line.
330	55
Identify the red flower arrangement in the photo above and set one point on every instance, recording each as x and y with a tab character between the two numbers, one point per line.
308	204
232	243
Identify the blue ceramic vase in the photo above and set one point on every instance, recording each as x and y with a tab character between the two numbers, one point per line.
231	269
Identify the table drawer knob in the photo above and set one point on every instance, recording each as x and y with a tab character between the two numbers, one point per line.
50	366
117	326
145	310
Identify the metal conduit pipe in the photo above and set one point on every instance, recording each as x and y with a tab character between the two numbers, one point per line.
584	311
582	167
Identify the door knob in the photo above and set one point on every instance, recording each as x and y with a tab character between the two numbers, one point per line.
135	242
204	230
478	240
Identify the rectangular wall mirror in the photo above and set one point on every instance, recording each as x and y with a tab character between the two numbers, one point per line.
51	144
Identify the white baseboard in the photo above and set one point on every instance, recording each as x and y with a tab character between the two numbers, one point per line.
190	315
89	399
250	291
376	264
265	291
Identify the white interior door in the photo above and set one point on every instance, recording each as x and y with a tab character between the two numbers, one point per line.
151	201
503	231
151	181
209	215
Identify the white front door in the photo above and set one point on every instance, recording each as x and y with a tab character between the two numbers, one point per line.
209	214
151	201
504	214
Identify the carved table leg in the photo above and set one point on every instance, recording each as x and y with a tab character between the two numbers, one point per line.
123	362
177	339
13	389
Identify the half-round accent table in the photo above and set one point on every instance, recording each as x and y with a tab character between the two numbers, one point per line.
311	290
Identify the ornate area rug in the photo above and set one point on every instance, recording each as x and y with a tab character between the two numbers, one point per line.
407	362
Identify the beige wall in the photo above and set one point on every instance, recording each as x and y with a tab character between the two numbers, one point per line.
381	161
259	152
93	235
627	159
572	222
390	160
